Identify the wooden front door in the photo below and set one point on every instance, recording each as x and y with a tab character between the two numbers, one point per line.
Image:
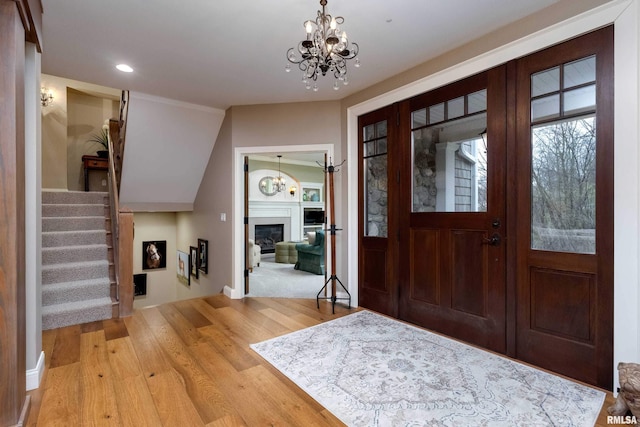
487	209
452	221
565	208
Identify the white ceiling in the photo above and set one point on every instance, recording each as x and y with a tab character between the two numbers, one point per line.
220	53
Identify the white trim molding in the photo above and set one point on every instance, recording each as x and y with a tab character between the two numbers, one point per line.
236	290
34	376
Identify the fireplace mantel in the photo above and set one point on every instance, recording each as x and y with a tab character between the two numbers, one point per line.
287	213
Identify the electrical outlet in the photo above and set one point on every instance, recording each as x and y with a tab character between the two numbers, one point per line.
223	217
104	182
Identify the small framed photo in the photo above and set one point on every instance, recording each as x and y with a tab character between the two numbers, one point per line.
154	254
183	268
203	255
139	284
193	261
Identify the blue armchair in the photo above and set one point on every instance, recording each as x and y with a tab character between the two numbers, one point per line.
311	257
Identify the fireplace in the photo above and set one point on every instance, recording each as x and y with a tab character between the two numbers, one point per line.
267	235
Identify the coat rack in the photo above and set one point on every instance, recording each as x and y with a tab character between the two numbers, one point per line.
332	231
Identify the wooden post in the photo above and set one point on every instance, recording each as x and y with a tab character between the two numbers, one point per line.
125	261
332	216
15	17
332	232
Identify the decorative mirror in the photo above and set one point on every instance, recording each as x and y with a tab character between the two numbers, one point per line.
267	186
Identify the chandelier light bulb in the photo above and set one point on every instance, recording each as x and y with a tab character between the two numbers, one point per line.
325	49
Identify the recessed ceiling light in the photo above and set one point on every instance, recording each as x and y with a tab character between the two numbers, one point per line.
125	68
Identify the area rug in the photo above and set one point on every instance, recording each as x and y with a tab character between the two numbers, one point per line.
277	280
369	370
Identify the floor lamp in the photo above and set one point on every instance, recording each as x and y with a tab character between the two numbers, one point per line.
332	231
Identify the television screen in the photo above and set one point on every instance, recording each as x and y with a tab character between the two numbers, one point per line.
313	216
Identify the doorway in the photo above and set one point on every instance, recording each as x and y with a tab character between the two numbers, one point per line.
461	198
296	156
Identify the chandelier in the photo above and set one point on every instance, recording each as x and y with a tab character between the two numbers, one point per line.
325	50
279	183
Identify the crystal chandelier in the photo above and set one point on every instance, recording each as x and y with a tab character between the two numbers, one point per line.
279	183
325	50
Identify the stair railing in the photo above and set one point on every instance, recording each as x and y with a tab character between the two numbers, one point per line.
121	217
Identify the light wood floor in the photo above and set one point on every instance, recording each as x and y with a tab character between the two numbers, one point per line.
184	364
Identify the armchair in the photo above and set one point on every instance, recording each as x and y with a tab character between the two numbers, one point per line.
254	254
311	256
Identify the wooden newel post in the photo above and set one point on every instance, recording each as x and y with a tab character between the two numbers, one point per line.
332	232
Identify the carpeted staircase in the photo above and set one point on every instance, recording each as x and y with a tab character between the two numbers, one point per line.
76	270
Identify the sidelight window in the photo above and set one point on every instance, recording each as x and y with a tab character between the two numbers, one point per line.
563	158
375	179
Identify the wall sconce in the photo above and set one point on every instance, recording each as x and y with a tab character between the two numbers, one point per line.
46	96
292	190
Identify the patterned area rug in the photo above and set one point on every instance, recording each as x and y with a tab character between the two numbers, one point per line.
369	370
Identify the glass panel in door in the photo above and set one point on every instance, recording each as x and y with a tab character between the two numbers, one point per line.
450	156
563	158
375	180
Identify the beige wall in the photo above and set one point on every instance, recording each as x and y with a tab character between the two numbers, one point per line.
301	173
162	284
214	197
86	114
556	13
78	110
54	136
248	126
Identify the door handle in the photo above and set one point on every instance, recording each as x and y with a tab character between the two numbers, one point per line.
494	240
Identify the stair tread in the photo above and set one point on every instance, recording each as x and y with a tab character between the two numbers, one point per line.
71	232
63	248
74	264
80	217
82	282
76	305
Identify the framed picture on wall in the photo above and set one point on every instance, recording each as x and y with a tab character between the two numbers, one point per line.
203	255
139	284
154	254
183	268
193	258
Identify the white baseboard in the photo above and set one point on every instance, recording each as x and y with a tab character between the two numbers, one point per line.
232	293
34	376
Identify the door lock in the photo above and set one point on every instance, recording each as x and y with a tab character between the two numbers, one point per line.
494	240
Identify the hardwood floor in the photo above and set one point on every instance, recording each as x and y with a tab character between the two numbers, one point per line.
186	363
